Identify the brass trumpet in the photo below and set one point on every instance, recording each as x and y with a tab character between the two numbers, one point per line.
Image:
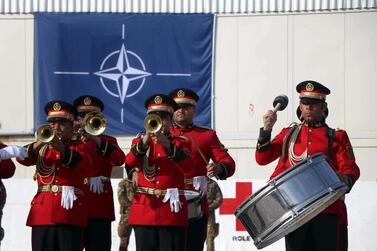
152	123
45	133
94	123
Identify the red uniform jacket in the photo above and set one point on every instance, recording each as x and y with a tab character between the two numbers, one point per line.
149	209
46	207
101	206
209	144
313	139
7	167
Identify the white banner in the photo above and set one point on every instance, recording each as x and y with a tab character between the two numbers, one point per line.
361	203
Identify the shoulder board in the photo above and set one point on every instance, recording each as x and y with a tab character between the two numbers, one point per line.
204	127
179	136
338	129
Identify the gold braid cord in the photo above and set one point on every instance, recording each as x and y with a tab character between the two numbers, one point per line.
293	158
42	170
148	171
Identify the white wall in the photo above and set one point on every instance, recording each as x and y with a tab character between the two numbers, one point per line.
16	71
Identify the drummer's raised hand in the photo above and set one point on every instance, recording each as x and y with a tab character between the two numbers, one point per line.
269	119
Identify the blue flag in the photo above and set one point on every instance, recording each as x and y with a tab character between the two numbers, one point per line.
122	59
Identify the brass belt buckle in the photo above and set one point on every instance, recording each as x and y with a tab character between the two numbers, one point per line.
55	188
157	192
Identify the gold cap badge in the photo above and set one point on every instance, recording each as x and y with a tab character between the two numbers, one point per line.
158	100
309	87
87	101
57	107
180	94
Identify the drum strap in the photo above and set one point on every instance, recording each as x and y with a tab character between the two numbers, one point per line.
285	140
330	133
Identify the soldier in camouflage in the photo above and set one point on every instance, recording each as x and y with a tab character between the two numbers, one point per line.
126	192
215	199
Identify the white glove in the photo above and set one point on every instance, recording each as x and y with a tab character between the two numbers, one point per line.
96	185
68	197
200	183
13	151
173	195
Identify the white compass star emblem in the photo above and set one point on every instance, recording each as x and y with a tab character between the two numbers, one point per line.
122	74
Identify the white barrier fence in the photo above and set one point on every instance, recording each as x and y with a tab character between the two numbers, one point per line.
361	203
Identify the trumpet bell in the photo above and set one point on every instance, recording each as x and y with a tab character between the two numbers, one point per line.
45	133
94	123
152	123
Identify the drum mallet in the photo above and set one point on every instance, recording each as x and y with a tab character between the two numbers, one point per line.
280	103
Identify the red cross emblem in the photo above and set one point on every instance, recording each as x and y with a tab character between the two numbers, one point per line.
243	191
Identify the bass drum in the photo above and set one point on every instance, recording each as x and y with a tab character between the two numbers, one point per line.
290	200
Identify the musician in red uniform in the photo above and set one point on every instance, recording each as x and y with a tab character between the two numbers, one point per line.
158	160
328	230
58	212
98	190
205	146
7	169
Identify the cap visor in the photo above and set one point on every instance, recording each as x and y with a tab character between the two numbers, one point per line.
310	101
54	119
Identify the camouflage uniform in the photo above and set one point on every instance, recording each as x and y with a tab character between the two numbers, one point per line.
125	194
215	199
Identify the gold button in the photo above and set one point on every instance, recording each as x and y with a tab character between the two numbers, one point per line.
55	194
158	168
309	143
56	181
158	154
